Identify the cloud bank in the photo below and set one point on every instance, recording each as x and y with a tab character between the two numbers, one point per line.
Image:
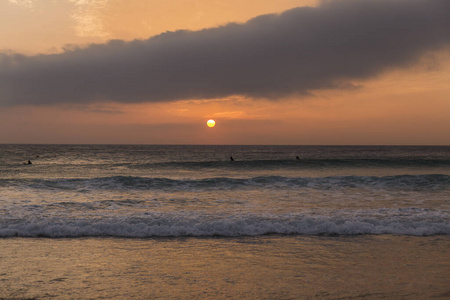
270	56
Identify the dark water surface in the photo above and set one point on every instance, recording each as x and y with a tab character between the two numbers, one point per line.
177	191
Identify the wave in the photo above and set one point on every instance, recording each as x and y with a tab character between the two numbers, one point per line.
244	164
308	163
406	221
400	182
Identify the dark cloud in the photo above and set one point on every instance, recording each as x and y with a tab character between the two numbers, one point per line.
271	56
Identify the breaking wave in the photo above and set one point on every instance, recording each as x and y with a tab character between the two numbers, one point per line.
405	221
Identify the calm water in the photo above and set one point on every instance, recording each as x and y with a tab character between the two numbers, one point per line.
183	191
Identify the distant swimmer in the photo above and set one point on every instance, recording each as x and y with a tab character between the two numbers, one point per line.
231	158
28	163
298	158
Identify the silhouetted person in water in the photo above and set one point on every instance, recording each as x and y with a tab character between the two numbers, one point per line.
298	158
28	163
231	158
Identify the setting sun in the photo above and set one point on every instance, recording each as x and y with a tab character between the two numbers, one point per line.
211	123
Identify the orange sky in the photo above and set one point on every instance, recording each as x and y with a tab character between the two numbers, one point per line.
409	105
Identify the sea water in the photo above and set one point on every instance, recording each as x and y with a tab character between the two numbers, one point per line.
146	191
187	222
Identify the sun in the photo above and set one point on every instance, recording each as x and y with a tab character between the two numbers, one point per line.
211	123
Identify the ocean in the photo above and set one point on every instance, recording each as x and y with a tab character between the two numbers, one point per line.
170	201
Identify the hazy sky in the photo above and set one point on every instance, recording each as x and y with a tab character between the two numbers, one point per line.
269	72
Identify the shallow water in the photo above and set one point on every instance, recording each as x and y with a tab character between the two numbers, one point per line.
268	267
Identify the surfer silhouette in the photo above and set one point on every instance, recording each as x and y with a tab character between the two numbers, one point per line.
298	158
231	158
28	163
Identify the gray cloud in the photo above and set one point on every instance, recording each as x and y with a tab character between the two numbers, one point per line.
271	56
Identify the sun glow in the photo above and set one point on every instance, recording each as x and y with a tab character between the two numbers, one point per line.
211	123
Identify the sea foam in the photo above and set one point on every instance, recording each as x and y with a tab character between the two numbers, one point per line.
410	221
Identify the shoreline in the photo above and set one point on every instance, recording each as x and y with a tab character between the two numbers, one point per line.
270	267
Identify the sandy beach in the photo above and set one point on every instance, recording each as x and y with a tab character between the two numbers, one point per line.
268	267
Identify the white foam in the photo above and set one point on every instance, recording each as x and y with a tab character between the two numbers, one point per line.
422	223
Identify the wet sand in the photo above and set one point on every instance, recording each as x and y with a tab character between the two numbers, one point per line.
268	267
